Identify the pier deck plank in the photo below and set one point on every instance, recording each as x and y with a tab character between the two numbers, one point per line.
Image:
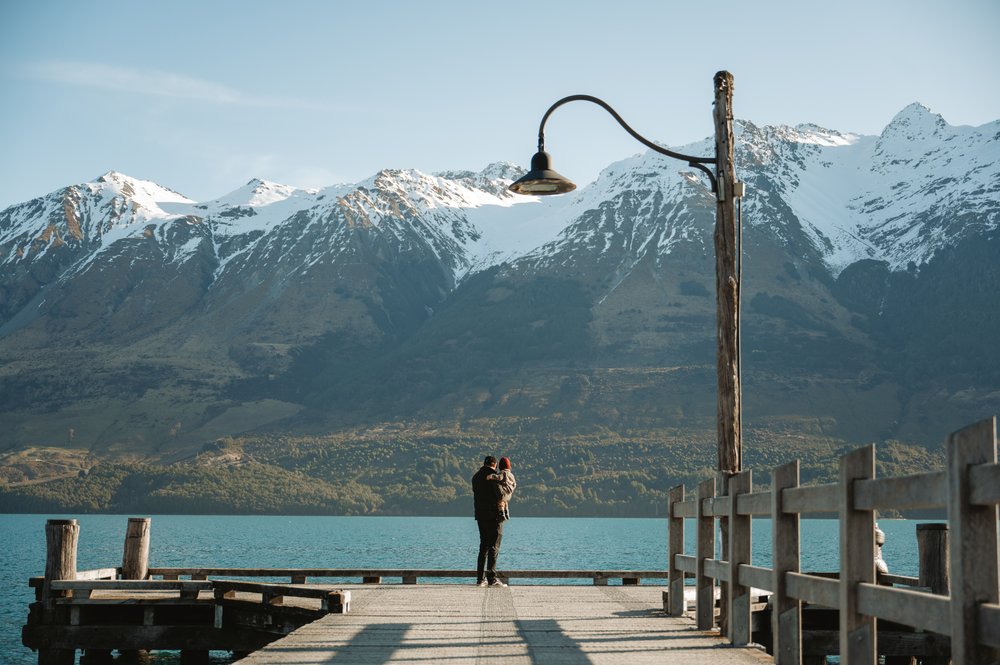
518	625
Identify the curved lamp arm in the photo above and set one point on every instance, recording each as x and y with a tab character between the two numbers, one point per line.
695	162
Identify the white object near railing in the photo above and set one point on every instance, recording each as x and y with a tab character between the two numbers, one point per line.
970	490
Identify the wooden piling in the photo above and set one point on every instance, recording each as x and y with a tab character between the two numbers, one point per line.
61	538
135	563
135	558
932	545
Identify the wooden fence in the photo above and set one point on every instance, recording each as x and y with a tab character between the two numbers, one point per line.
969	488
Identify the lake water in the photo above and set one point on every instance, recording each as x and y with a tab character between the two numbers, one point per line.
382	542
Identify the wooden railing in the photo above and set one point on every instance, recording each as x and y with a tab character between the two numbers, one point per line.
405	575
969	488
82	590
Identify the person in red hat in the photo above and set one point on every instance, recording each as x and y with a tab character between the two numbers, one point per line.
507	483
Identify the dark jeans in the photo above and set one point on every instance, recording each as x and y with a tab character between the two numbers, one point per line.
490	535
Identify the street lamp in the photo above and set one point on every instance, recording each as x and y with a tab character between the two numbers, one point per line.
542	180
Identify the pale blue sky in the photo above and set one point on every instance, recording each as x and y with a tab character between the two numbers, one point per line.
201	96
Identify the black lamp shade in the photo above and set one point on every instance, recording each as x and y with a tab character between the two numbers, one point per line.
541	180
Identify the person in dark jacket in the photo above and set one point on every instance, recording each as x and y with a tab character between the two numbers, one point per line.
485	496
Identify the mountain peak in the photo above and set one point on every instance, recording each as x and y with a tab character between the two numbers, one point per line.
113	176
503	171
494	171
144	192
914	121
256	193
261	183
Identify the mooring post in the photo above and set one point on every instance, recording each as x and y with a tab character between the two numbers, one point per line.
135	563
61	538
135	558
932	545
932	548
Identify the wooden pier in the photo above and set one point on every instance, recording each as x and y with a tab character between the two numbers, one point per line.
952	612
517	625
384	616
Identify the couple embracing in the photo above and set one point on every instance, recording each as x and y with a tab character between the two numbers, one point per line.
492	487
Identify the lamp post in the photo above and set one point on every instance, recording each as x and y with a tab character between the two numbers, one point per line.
541	180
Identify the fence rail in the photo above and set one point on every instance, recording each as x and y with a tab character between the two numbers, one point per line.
171	577
406	575
969	488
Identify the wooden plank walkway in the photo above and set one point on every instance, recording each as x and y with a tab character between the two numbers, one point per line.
518	625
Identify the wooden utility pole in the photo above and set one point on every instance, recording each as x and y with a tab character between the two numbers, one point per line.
727	281
727	285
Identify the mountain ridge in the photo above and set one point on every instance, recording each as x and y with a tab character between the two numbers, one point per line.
147	323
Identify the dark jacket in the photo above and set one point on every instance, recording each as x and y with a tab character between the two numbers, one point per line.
485	494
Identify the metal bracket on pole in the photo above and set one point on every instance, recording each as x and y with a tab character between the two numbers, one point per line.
739	189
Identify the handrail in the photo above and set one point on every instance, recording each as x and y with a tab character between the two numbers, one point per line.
408	575
969	488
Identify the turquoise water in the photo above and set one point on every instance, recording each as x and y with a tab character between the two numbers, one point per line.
382	542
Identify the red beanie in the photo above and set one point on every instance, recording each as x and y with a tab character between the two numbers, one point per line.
504	463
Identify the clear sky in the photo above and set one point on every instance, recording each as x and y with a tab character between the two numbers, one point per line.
201	96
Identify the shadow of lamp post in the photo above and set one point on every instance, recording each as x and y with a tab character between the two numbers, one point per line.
541	180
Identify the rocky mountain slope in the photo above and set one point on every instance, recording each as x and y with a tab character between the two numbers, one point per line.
134	321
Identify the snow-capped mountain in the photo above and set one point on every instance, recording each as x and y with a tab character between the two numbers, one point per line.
897	197
235	300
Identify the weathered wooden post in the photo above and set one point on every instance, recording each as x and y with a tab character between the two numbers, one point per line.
705	549
857	560
727	282
135	558
135	561
932	546
675	547
727	304
61	538
740	542
786	612
973	542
